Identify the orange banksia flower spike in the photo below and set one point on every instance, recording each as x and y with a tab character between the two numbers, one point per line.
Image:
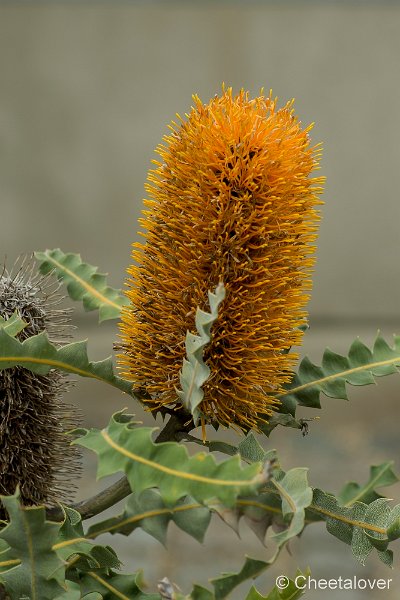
232	200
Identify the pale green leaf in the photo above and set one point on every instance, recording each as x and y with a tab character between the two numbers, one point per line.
363	526
39	355
148	511
359	367
260	512
39	572
14	325
122	446
296	496
83	283
380	476
195	372
251	450
71	537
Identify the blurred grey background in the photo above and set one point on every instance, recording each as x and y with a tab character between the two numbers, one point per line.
86	92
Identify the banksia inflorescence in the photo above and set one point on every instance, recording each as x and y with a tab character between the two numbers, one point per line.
35	452
232	201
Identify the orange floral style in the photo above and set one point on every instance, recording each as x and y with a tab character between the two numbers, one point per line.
231	200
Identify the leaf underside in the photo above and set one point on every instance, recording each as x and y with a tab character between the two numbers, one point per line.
195	372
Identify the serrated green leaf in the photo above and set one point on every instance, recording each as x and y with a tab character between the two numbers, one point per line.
288	590
148	511
71	541
360	545
195	372
363	526
115	585
296	496
167	466
201	593
39	572
260	512
83	283
14	325
228	581
285	419
254	594
377	514
251	569
360	367
39	355
98	558
380	475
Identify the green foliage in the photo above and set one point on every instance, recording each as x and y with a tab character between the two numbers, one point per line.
283	419
45	560
42	560
195	372
360	367
362	526
124	446
283	505
148	511
251	450
296	496
29	566
380	476
83	283
39	355
14	325
111	585
251	569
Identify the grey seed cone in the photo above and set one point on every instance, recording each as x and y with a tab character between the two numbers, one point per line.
35	451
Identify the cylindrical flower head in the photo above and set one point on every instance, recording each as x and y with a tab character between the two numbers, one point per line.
232	201
35	452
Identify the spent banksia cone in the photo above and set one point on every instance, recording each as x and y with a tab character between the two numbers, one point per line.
35	452
232	201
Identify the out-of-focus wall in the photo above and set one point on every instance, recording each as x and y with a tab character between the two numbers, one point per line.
87	89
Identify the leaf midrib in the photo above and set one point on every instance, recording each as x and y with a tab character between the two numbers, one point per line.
369	487
342	374
92	290
176	473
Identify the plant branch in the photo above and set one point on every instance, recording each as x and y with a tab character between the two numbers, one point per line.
177	424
